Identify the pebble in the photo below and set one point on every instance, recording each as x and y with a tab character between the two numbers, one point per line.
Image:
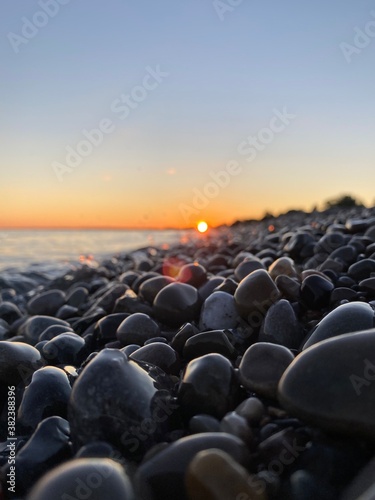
18	361
65	348
346	318
46	303
192	274
204	423
151	287
262	366
47	395
116	400
218	311
362	269
255	294
281	326
331	385
252	409
214	475
176	304
36	325
159	354
284	266
246	267
91	478
316	292
208	342
163	476
208	386
9	312
136	329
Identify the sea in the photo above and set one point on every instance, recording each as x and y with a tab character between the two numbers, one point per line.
53	252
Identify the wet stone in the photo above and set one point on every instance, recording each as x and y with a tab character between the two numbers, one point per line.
47	395
66	348
215	341
208	386
255	294
316	292
262	366
177	303
111	401
184	333
159	354
48	446
204	423
93	478
46	303
105	329
18	361
362	269
341	369
53	331
218	311
136	329
347	318
36	325
214	475
163	476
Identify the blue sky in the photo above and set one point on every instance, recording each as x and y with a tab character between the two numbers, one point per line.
226	76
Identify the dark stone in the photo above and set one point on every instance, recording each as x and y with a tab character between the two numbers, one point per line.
330	385
208	342
53	331
77	296
218	312
97	477
208	386
47	395
46	303
316	292
281	326
246	267
18	361
162	476
34	326
204	423
151	287
9	312
116	400
210	285
342	293
262	366
362	269
176	304
159	354
184	333
346	318
192	274
228	286
66	312
66	348
136	329
105	329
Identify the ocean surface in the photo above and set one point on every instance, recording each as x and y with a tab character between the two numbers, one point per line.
53	251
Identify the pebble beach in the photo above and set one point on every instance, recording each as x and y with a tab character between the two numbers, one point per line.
237	365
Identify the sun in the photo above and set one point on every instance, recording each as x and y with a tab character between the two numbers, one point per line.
202	226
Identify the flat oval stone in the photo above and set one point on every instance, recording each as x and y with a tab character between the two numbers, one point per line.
105	329
18	361
66	312
46	303
77	296
93	478
151	287
331	385
66	348
208	386
262	366
9	312
159	354
136	329
214	475
162	476
218	312
252	409
53	331
210	285
361	269
208	342
116	400
47	395
204	423
316	292
281	326
347	318
34	326
176	304
256	293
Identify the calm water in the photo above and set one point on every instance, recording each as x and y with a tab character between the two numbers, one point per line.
52	251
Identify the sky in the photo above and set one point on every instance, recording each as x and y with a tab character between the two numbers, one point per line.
147	114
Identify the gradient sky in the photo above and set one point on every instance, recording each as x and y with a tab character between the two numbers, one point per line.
228	70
